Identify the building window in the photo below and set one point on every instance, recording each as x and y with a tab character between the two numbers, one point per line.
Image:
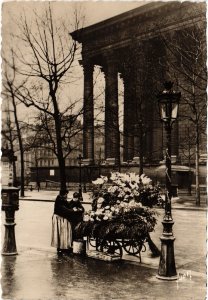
52	172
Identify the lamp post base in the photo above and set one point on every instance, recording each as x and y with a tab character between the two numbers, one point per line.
167	268
9	246
9	254
167	278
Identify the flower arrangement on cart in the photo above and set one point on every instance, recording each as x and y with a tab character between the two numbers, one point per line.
122	214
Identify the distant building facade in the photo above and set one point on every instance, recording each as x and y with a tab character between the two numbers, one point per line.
41	162
132	45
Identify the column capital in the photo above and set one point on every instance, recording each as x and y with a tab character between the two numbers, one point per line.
110	55
86	63
110	66
110	61
121	76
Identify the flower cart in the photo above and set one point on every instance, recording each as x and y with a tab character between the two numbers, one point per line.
122	214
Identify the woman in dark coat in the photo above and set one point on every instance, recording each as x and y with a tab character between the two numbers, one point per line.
66	216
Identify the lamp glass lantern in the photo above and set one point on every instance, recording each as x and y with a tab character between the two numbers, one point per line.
168	101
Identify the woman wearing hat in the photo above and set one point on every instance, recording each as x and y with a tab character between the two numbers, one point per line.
77	208
66	216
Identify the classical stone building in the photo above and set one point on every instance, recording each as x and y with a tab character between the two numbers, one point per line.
133	45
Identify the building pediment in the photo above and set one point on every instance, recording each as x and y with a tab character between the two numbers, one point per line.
137	24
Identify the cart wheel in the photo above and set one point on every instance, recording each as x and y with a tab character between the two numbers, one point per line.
92	242
111	247
95	243
132	247
98	244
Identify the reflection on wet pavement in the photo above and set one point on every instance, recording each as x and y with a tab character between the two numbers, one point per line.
40	276
88	278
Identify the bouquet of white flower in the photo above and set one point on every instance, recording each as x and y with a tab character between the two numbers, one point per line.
123	209
127	187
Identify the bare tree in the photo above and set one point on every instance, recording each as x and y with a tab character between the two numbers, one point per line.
9	136
187	148
45	57
186	48
10	91
44	135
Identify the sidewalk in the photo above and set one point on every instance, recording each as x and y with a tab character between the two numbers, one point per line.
189	202
38	265
181	207
40	275
50	196
182	202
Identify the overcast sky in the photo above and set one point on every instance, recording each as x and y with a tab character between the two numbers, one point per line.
101	10
94	12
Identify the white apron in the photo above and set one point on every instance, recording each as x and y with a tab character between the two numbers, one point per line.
61	233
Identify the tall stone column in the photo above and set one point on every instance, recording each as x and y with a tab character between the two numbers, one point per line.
157	138
88	114
138	122
137	141
175	138
128	119
112	135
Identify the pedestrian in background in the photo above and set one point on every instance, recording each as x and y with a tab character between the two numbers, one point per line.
38	185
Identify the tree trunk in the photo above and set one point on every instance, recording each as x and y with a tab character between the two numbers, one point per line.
14	174
12	148
62	170
22	191
141	154
61	159
197	174
22	175
37	170
189	164
13	163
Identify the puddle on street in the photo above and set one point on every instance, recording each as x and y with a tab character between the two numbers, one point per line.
91	278
78	278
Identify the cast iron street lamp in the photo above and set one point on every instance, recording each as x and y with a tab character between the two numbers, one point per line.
79	158
168	101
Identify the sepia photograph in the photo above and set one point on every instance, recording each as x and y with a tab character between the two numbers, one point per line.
103	150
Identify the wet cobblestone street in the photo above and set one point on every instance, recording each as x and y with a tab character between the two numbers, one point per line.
37	273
